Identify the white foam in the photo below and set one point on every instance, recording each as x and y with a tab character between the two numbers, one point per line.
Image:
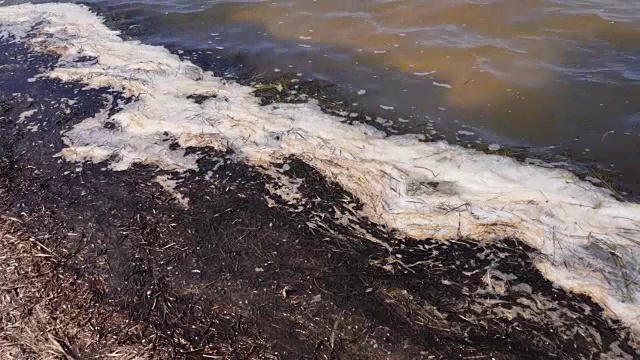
26	115
590	240
442	85
170	185
424	73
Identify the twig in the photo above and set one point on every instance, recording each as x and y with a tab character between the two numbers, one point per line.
333	331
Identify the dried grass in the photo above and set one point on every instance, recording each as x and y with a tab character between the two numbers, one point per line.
45	313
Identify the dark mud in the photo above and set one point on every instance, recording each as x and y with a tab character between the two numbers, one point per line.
242	272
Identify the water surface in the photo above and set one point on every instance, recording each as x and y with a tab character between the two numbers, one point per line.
563	76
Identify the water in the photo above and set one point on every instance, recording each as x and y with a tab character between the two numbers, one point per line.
558	75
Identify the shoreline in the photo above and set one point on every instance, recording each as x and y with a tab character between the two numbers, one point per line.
251	267
234	67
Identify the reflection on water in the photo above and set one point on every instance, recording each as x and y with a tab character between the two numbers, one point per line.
456	41
481	49
527	72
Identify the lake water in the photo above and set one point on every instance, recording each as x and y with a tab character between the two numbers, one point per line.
557	75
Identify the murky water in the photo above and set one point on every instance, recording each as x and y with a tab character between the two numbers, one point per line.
540	73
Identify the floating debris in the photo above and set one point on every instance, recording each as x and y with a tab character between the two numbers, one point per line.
442	85
424	73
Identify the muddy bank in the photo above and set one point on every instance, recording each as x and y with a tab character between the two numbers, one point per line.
239	271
